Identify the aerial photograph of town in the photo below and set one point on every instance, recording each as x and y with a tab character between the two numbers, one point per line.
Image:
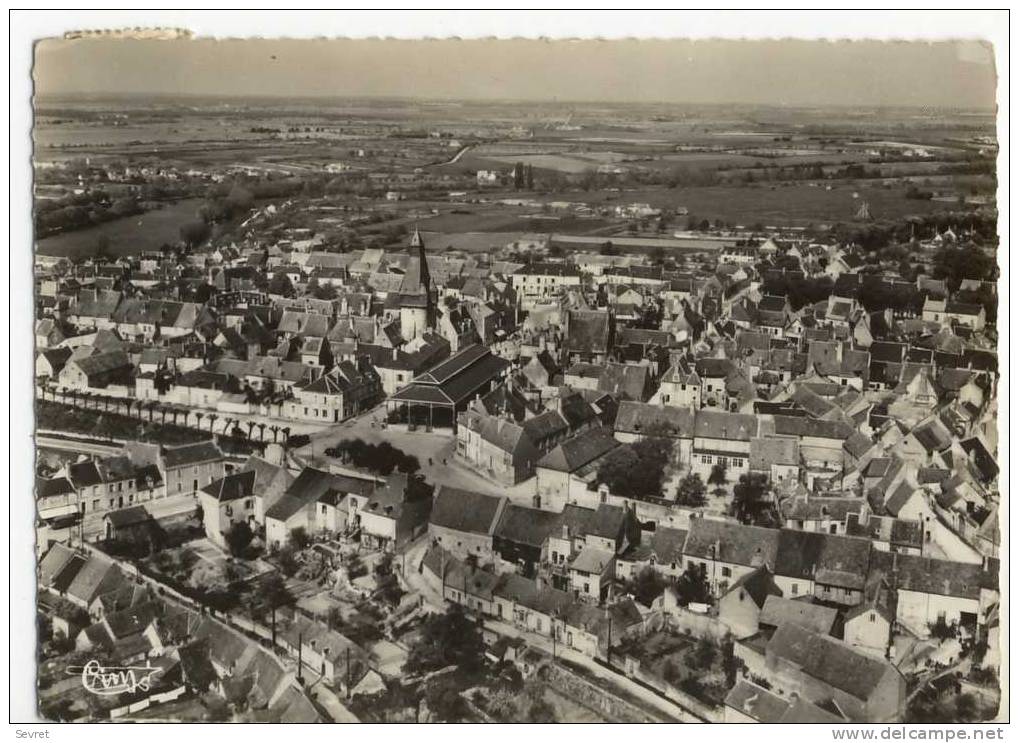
503	406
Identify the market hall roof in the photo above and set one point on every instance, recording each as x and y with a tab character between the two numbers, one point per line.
454	380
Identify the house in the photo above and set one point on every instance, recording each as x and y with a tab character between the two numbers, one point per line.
97	371
186	468
312	500
50	362
868	625
740	606
826	671
129	636
748	702
347	390
722	439
592	572
777	611
680	387
661	551
829	567
463	522
564	473
394	514
542	283
133	522
776	457
589	336
501	449
626	381
725	551
112	483
928	590
48	334
229	500
521	538
713	373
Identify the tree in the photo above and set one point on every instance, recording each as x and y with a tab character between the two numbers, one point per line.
239	537
638	469
692	491
704	654
193	234
271	593
450	639
102	250
445	702
299	538
647	586
692	587
718	474
281	286
749	502
942	630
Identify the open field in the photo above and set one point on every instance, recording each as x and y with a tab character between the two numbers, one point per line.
772	204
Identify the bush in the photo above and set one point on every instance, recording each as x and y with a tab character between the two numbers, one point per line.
238	539
299	538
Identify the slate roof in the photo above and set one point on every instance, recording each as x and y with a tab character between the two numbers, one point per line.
466	511
765	452
716	424
528	526
310	485
123	518
580	450
826	558
759	584
937	577
54	562
233	487
756	702
53	486
829	660
777	611
627	381
191	454
738	544
588	331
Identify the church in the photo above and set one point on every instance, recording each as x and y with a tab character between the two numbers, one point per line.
417	296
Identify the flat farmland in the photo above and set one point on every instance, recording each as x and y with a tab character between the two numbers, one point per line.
505	219
774	204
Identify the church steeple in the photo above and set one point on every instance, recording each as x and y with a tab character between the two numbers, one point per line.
417	242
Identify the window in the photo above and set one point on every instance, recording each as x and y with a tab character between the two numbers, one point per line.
95	505
726	572
873	618
796	589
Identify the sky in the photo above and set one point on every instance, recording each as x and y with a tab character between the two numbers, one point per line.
790	72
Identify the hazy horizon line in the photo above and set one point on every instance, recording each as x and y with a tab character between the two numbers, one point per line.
114	95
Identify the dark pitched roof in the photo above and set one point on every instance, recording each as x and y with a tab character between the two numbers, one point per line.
522	525
582	449
464	510
191	454
588	331
727	541
829	660
825	558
